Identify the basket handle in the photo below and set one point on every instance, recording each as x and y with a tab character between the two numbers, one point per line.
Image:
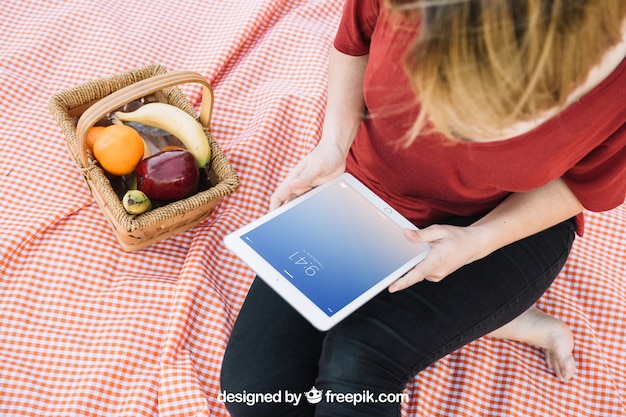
135	91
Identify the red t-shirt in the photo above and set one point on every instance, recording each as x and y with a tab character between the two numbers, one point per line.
432	179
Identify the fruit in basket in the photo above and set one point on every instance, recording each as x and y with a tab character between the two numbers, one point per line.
92	134
118	149
168	175
136	202
175	121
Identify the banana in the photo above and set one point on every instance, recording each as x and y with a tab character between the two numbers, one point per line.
175	121
146	149
136	202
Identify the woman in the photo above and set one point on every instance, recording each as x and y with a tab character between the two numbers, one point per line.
490	125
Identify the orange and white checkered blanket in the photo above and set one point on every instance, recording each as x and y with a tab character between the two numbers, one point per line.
89	330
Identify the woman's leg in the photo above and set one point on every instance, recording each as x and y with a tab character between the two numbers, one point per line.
381	346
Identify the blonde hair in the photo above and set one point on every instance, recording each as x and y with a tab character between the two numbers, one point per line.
479	66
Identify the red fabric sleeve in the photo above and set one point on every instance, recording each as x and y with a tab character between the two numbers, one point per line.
599	179
357	26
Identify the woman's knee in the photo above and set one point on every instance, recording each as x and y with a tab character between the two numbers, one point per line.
271	350
358	383
354	364
249	391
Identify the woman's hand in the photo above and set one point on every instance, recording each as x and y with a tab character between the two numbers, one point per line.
451	248
324	163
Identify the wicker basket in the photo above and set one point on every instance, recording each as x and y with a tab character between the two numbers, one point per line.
94	100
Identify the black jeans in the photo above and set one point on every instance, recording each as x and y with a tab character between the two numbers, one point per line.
274	352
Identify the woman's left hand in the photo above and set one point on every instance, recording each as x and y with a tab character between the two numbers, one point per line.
451	248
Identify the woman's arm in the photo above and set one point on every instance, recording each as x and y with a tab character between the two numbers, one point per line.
345	104
344	112
524	214
519	216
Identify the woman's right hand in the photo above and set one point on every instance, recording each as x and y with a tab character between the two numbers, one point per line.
324	163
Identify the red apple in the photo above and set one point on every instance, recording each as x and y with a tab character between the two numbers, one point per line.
170	174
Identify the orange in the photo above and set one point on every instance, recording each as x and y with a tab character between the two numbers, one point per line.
118	149
92	135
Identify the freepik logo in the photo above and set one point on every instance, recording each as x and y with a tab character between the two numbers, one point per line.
312	396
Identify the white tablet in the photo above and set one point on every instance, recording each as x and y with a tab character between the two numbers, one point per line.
330	250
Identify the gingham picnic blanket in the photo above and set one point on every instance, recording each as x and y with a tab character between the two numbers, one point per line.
87	329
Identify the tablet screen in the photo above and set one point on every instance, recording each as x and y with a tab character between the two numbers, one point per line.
333	247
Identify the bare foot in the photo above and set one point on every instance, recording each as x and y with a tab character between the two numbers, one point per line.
549	333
